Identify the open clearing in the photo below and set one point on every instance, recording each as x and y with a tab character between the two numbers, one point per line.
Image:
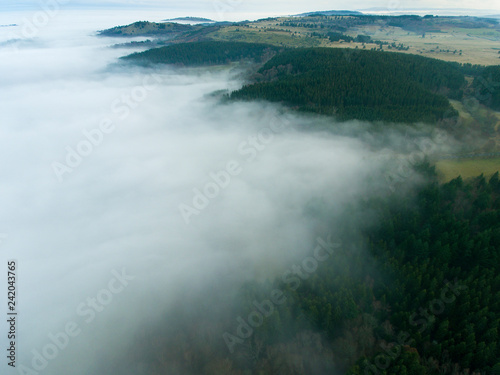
467	168
473	45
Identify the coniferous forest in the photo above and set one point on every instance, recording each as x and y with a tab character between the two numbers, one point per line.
418	293
204	53
488	85
356	84
346	83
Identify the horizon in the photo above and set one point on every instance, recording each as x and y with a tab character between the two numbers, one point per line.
237	10
131	14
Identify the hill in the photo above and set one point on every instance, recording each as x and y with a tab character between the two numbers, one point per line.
145	28
204	53
355	84
190	19
331	13
487	84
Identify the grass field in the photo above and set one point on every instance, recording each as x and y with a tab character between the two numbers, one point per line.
475	46
467	168
258	35
460	45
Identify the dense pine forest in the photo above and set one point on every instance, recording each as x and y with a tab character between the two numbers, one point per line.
418	293
204	53
487	84
346	83
145	28
365	85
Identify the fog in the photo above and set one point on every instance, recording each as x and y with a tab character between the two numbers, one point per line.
113	170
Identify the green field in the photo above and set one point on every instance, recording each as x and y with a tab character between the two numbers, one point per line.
464	45
254	35
467	168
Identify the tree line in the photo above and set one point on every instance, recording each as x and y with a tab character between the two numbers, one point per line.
204	53
354	84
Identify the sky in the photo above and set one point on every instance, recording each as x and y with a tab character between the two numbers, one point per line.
253	9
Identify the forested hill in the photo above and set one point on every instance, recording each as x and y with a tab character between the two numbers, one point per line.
145	28
358	84
205	53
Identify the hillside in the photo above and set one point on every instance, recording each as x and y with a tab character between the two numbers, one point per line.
353	84
461	39
488	86
190	19
144	28
204	53
331	13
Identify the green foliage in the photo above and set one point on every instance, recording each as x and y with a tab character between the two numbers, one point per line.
204	53
334	36
470	69
365	85
448	232
487	86
145	28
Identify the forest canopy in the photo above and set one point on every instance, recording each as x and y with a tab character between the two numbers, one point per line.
487	85
356	84
205	53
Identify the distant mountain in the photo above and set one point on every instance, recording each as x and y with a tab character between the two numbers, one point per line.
145	28
189	19
331	13
206	53
450	12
